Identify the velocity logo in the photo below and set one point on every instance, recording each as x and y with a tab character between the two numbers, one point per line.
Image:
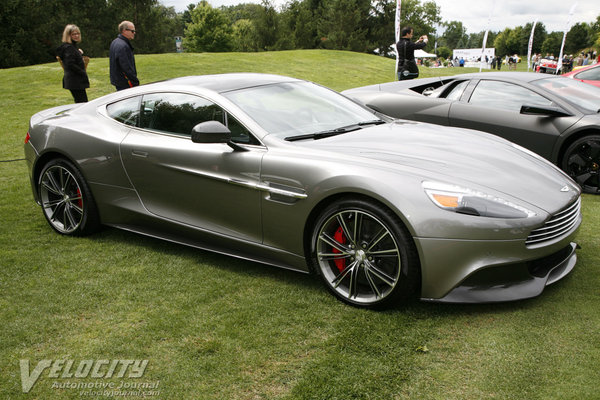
65	369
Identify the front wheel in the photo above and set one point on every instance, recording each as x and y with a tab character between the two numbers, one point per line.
582	163
67	201
364	254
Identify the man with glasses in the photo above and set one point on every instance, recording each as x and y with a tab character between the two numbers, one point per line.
123	74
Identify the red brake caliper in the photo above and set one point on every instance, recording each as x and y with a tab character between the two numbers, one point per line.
339	237
80	201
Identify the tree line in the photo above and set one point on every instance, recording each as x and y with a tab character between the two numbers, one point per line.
31	29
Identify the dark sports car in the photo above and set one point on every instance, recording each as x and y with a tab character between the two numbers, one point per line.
555	117
288	173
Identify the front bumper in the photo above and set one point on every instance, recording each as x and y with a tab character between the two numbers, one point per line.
513	281
484	271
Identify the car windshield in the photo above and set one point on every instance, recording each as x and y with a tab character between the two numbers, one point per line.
292	109
578	93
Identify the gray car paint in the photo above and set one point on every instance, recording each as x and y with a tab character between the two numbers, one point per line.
259	204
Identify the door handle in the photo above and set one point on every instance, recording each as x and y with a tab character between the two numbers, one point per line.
139	153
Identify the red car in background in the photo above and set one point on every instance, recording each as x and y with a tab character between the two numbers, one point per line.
588	74
547	65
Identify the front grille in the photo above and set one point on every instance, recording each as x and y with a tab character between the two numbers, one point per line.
556	226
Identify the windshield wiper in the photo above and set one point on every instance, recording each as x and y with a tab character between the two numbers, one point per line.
373	122
334	132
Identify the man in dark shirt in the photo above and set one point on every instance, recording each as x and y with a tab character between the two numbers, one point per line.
123	73
407	67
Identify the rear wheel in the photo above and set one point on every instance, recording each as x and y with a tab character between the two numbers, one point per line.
582	163
67	202
364	254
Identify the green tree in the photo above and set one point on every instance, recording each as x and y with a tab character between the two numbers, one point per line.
381	34
579	37
156	25
500	43
248	11
421	17
444	52
539	35
244	35
31	30
210	30
516	42
267	26
454	31
552	43
343	23
298	23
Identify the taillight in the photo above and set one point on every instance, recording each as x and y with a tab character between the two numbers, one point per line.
27	138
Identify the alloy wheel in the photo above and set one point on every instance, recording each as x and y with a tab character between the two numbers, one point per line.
62	199
582	163
358	256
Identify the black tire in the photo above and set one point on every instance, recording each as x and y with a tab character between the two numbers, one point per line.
67	202
582	163
364	254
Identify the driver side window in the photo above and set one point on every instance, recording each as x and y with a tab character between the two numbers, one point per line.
177	113
505	96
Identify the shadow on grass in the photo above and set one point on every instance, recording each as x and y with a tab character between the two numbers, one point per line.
413	308
199	256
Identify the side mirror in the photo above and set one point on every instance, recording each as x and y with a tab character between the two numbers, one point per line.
214	132
210	132
547	111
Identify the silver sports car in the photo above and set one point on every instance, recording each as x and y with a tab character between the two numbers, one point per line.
554	117
289	173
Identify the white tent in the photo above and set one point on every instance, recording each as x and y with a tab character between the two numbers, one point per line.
423	54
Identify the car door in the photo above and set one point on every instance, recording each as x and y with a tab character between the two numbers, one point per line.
209	186
494	106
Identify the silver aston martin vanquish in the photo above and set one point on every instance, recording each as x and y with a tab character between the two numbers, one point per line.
289	173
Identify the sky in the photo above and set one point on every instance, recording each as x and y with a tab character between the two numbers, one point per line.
475	14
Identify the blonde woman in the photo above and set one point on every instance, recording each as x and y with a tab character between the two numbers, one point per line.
75	78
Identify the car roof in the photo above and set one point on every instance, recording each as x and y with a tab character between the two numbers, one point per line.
222	82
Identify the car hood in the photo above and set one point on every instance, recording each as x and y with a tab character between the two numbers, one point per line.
458	156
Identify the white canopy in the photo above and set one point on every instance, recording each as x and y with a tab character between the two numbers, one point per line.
423	54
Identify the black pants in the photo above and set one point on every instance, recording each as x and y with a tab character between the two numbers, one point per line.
407	69
79	95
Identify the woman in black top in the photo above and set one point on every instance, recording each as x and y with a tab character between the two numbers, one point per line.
75	79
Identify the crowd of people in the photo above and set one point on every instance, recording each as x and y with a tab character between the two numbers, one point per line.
123	73
568	61
511	61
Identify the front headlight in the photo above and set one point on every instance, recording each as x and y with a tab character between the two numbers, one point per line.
467	201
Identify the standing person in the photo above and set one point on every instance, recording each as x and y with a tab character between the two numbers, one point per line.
407	67
75	78
123	73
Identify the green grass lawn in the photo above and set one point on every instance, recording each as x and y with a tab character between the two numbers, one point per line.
215	327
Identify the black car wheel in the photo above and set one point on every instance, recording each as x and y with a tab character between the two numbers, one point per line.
66	200
582	163
364	254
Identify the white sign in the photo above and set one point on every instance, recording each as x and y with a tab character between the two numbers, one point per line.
473	54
